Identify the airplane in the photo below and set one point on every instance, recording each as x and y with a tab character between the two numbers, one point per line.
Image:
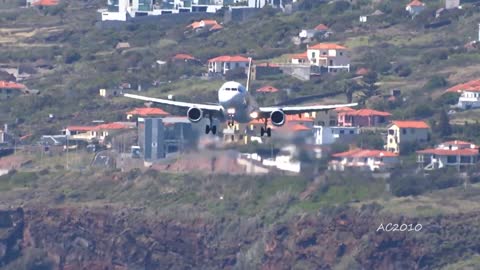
235	104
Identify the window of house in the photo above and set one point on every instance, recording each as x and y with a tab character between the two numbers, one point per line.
452	159
324	53
391	132
313	54
465	159
342	131
391	140
341	53
331	62
404	131
351	131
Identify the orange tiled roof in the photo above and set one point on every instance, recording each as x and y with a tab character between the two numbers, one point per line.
363	153
297	127
367	112
447	152
299	56
11	85
362	71
198	24
473	85
183	56
321	27
295	117
148	111
343	109
267	89
415	3
112	126
229	58
81	128
410	124
45	3
209	22
327	46
459	143
216	27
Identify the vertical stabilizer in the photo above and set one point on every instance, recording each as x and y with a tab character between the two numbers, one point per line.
249	73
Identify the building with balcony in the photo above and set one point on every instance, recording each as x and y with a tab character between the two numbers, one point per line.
224	63
406	132
457	154
364	160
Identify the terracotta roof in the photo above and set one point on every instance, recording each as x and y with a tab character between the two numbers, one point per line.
410	124
198	24
473	85
112	126
45	3
327	46
267	89
367	112
295	117
229	58
11	85
363	153
299	56
216	27
362	71
81	128
415	3
343	109
446	152
297	127
321	27
209	22
148	111
183	56
459	143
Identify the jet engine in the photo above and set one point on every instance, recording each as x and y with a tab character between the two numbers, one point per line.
194	114
278	118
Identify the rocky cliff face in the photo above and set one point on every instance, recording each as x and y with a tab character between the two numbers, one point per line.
116	239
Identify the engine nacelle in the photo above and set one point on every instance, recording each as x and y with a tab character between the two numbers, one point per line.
194	114
277	117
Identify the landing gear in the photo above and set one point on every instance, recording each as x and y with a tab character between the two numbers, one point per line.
265	130
210	127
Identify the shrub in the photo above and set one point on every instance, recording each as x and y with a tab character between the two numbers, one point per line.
435	82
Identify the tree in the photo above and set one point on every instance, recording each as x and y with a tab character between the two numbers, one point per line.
444	127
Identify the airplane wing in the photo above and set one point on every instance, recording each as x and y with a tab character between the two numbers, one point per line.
303	109
206	107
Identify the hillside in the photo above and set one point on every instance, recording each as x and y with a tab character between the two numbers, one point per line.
58	211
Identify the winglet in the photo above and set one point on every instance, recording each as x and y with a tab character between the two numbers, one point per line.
249	73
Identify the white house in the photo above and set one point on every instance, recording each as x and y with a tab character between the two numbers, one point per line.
224	63
415	7
459	154
469	99
328	135
310	33
330	55
364	159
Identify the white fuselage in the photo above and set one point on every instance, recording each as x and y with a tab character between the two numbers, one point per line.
236	102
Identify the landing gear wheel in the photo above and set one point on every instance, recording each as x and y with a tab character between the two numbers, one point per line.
214	130
269	132
207	129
